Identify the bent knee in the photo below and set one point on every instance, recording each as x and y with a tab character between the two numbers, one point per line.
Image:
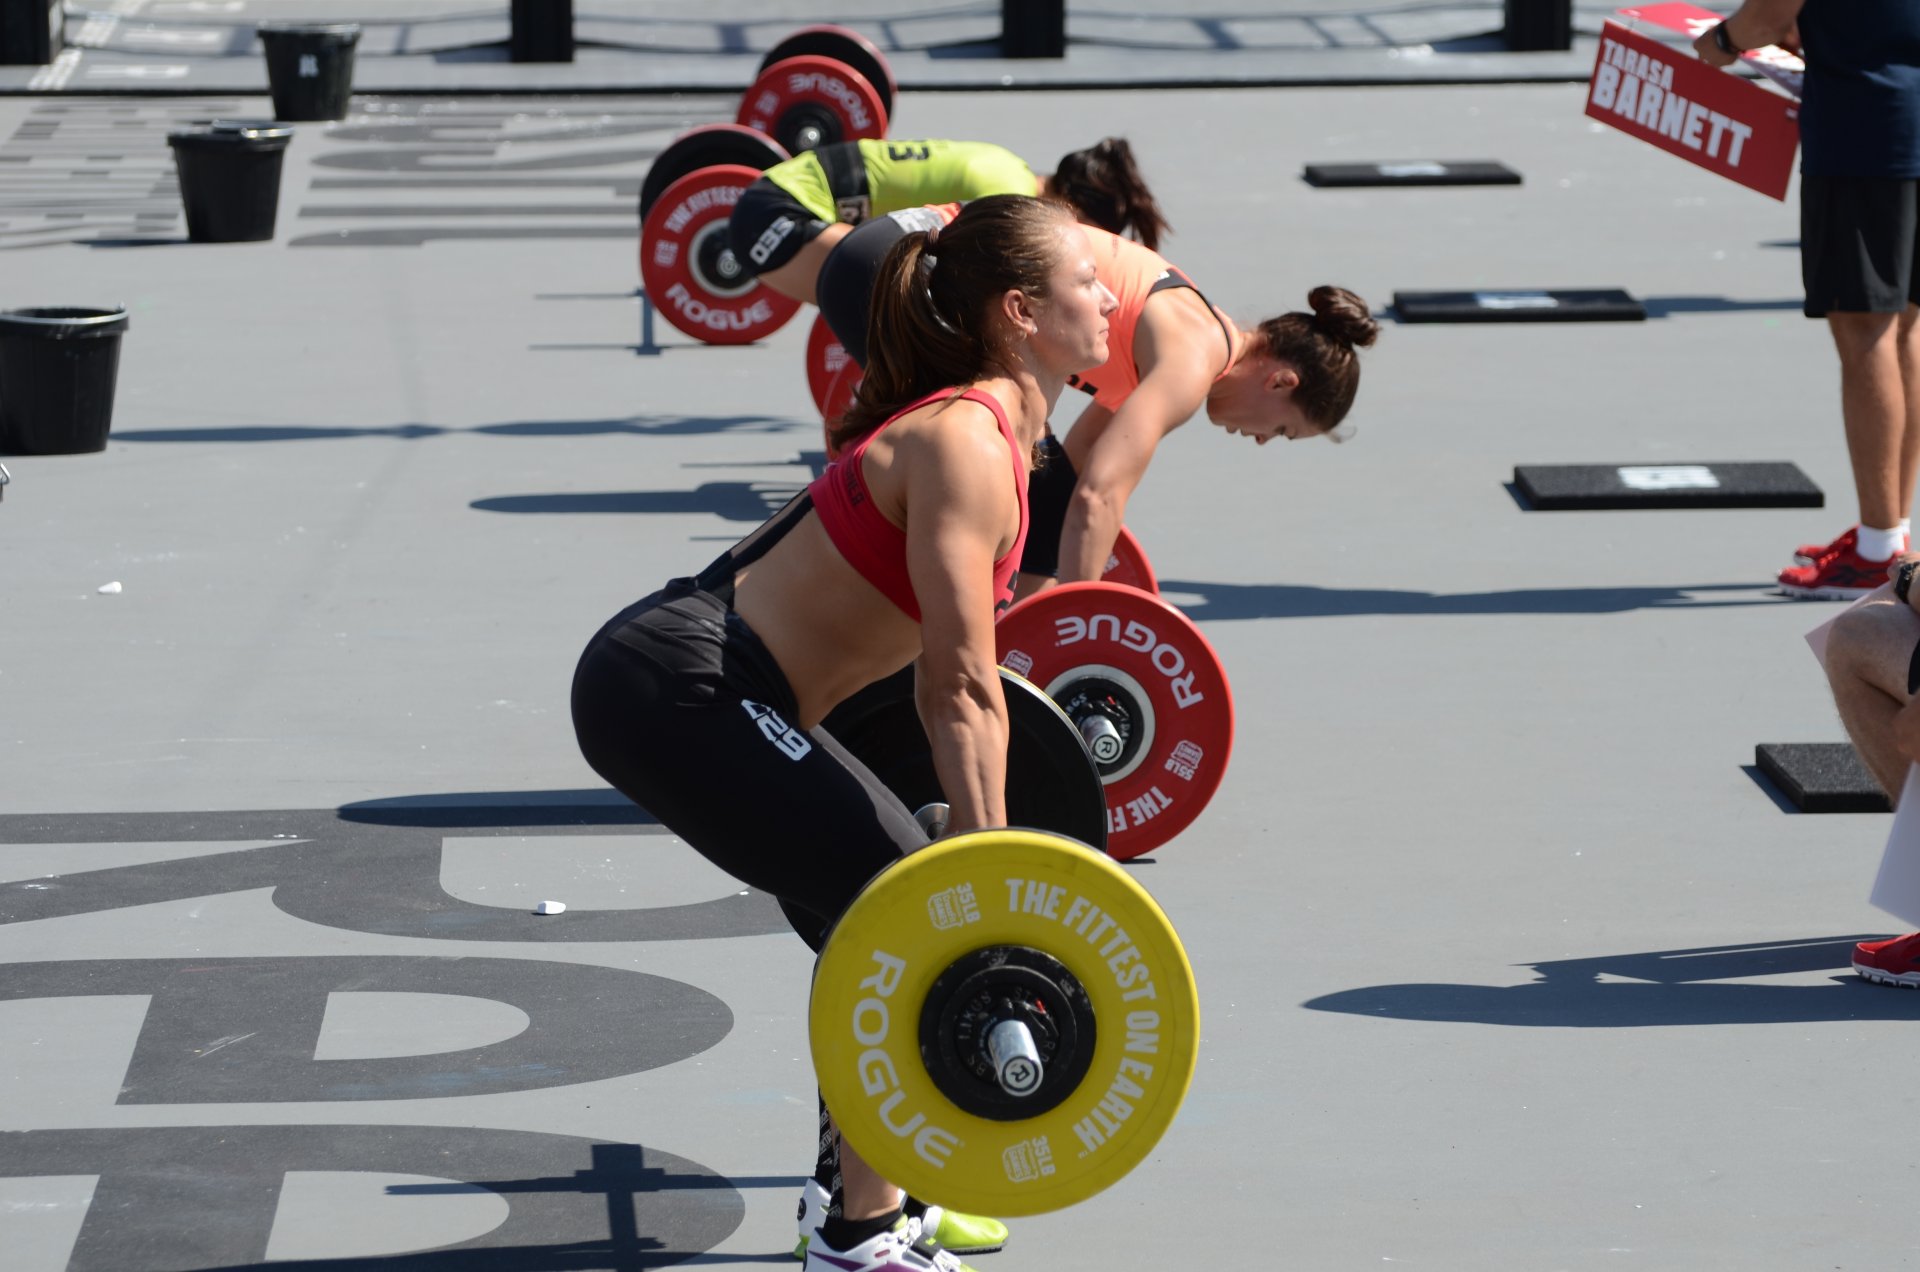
1874	642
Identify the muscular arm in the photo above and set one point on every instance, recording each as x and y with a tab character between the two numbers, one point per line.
1755	24
1179	349
961	505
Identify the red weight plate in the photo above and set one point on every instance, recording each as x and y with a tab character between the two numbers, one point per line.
1128	566
825	357
704	147
688	267
840	398
843	45
806	101
1147	692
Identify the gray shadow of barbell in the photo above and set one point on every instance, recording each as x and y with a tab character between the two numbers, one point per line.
1233	602
729	500
632	426
1662	988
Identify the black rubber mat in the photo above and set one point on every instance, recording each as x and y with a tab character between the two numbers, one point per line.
1821	777
1519	305
1562	487
1410	172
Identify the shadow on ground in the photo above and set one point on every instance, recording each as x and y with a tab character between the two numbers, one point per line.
1660	987
494	809
1669	306
728	500
648	1217
1224	602
634	425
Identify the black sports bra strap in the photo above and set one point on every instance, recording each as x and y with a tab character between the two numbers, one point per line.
1175	278
717	579
846	177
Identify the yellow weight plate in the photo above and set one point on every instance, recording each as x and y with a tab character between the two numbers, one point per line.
1003	888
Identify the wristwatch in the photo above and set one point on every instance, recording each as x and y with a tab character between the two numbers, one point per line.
1903	578
1724	42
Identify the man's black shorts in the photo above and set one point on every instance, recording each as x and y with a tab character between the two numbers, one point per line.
768	227
1858	244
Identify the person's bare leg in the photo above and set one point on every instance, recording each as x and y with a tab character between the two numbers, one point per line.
1909	345
1868	653
1874	408
863	1193
796	278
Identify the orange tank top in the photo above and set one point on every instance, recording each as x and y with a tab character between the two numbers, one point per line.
1132	273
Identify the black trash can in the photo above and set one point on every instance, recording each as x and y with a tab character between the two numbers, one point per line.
230	178
57	369
31	31
1033	28
309	68
1534	26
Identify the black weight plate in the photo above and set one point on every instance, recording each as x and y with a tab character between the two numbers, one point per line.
707	147
1052	783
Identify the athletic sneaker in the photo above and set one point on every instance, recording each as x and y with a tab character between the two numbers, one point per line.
962	1234
1813	553
814	1200
1892	962
903	1249
1807	554
1844	576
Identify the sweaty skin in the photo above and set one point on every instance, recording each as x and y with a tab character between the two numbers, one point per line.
833	632
942	474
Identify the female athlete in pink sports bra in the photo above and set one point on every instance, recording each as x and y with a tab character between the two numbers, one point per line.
701	703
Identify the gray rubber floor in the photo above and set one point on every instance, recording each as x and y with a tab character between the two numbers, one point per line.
1507	960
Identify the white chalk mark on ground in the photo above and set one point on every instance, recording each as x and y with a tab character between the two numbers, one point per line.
221	1043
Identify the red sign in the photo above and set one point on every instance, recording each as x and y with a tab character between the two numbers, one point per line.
1774	62
1673	100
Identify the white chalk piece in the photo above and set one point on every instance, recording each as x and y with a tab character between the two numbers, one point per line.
550	907
109	589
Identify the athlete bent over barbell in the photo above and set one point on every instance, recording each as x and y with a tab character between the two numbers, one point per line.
787	221
1172	352
903	550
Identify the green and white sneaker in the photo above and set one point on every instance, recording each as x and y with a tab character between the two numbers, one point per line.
964	1234
959	1233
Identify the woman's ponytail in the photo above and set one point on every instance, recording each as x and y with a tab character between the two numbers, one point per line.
1104	185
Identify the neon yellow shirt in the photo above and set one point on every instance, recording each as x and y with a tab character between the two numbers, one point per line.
884	175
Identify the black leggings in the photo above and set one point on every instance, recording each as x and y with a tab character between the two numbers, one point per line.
678	705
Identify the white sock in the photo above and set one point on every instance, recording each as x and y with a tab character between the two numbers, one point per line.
1880	545
1906	532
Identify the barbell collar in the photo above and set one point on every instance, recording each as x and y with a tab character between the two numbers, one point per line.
1016	1060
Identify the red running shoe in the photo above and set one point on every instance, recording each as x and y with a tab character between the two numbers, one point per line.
1844	576
1812	553
1890	962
